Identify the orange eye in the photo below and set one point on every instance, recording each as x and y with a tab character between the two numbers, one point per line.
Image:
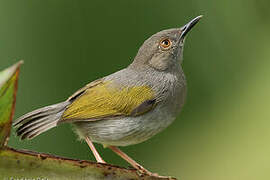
165	43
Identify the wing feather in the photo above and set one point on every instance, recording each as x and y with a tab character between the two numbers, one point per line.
101	100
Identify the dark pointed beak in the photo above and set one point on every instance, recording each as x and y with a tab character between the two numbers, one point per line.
186	28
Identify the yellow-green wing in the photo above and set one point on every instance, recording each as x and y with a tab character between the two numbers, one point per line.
102	100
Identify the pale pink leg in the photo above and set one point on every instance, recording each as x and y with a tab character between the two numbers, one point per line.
131	161
93	149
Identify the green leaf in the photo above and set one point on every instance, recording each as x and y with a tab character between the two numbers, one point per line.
8	89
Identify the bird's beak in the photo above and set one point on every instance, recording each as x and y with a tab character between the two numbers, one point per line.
186	28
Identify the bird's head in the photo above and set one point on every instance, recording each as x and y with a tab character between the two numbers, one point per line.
163	50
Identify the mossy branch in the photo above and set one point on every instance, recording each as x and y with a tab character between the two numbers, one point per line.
26	164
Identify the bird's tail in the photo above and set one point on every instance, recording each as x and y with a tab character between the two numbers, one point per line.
36	122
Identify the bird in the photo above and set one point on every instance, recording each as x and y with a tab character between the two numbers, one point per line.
127	107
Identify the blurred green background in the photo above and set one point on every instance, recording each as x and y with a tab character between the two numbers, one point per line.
223	131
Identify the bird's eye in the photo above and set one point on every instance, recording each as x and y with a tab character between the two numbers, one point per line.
165	43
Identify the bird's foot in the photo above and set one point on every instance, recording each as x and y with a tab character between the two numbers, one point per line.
101	161
142	171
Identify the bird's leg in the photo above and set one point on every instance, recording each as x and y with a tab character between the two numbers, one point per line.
131	161
94	151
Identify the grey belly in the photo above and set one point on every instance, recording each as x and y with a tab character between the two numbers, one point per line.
125	131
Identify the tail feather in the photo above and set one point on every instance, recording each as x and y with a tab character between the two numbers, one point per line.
27	127
33	132
38	121
41	112
31	122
